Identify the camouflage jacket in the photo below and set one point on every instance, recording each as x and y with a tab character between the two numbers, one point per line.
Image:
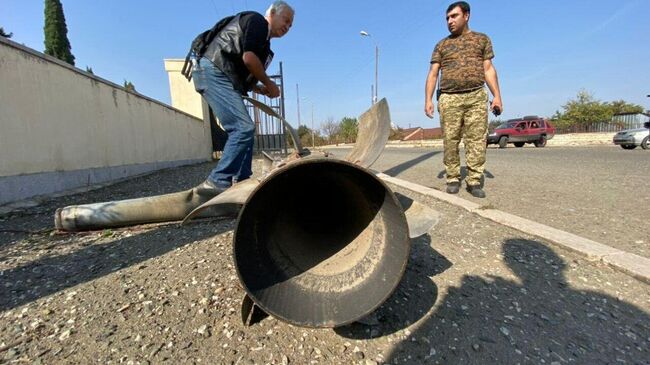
461	61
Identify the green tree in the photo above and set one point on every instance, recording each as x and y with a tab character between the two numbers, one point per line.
56	32
6	35
304	133
89	70
129	86
584	110
349	127
620	106
303	130
559	121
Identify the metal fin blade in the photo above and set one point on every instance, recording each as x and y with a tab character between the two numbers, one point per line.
237	194
251	313
374	128
419	217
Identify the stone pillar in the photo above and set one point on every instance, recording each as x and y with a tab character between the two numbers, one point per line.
185	98
183	95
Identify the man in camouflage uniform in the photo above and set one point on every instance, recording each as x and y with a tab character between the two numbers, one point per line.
464	60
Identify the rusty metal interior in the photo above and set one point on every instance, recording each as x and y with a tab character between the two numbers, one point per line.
321	243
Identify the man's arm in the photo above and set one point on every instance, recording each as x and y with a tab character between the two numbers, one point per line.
254	65
429	87
493	84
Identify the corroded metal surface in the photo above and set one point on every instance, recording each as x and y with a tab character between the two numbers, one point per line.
332	254
236	195
420	218
374	129
160	208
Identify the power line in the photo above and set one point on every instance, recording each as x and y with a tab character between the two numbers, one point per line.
215	7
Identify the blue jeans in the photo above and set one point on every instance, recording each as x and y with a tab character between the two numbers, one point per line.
228	106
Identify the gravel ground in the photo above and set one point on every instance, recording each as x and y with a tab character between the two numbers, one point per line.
597	192
473	292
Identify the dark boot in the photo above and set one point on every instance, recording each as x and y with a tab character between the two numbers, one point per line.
476	191
208	188
453	187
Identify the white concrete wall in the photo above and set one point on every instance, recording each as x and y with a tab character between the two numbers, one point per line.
62	128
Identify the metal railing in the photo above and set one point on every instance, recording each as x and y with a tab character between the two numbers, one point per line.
270	134
599	127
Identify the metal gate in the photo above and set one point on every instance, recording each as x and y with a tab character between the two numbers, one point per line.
270	134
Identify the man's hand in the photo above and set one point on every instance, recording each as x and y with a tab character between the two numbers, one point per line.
428	108
492	82
496	103
262	89
272	90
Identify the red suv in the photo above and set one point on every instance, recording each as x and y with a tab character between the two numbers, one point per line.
529	129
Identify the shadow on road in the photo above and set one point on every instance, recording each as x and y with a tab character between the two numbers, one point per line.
395	170
412	299
52	274
538	318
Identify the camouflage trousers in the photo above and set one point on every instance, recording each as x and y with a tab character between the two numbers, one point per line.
464	115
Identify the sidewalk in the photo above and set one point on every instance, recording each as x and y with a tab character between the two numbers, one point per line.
634	265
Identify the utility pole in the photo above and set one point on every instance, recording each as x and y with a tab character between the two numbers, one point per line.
298	103
376	70
312	126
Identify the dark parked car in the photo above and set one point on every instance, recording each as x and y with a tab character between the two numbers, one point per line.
529	129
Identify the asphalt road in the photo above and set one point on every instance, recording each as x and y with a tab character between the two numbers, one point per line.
600	193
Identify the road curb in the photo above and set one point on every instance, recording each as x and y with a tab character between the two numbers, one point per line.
631	264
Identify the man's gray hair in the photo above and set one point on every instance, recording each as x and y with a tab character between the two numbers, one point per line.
278	7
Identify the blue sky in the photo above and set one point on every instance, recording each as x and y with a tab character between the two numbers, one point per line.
546	51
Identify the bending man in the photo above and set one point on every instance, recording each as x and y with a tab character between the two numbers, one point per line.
233	64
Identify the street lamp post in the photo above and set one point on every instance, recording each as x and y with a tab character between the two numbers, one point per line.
298	103
366	34
647	124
